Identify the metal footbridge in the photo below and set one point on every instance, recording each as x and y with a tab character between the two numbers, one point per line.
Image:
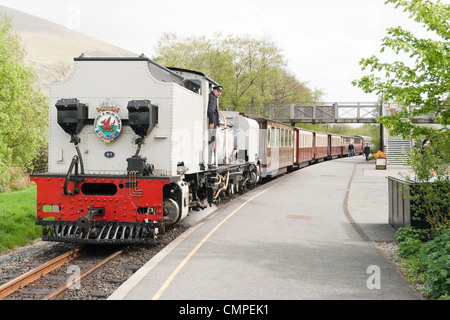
334	112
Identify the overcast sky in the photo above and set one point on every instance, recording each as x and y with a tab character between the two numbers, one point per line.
322	40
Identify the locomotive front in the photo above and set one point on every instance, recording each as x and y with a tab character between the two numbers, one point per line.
119	128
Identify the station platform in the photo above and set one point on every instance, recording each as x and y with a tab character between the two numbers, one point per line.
305	235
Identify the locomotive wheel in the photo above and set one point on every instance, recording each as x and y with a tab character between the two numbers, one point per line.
171	212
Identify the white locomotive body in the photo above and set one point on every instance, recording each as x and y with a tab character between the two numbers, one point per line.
104	84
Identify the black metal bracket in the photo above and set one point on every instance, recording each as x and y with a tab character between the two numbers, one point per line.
75	179
76	141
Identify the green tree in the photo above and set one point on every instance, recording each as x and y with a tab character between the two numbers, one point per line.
257	62
422	80
197	53
252	70
286	89
23	114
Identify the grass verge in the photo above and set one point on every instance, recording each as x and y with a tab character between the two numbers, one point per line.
17	218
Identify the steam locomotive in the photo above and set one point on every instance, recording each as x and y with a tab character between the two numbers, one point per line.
128	151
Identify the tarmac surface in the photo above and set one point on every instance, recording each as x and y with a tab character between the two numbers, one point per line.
305	235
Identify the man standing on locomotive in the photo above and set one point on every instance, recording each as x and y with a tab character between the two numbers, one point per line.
213	119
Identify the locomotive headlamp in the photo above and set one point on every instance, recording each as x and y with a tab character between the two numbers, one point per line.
72	115
142	116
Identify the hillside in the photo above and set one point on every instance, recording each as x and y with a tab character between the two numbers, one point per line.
51	47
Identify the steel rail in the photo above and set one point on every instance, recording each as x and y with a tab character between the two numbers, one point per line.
34	274
63	288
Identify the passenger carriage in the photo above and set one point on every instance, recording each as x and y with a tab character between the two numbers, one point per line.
358	143
346	140
304	147
276	147
334	146
320	146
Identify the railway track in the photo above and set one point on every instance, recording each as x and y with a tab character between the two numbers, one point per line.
50	280
85	273
17	287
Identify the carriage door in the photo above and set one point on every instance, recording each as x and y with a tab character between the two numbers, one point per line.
294	133
314	145
329	145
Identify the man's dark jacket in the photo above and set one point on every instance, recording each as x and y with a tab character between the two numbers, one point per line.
213	113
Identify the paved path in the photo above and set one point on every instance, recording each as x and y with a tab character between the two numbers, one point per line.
306	235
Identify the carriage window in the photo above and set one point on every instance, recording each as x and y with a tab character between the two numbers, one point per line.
283	134
273	137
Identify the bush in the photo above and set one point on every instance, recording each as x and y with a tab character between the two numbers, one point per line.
429	186
23	108
410	241
429	262
410	248
436	257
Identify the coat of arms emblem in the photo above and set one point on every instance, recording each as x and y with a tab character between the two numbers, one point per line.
108	125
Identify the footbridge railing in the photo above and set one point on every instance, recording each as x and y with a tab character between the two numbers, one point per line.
342	112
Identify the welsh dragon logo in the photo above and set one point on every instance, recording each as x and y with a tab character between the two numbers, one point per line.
107	124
